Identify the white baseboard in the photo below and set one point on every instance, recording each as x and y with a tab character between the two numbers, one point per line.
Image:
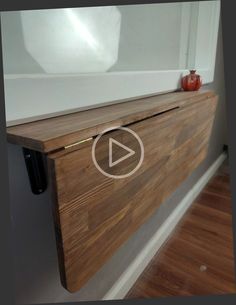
131	274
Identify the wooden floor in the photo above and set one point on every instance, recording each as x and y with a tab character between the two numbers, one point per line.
198	257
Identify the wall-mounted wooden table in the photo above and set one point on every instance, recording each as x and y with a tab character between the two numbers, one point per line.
95	214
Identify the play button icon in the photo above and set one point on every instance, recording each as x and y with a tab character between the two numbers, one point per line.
118	152
129	152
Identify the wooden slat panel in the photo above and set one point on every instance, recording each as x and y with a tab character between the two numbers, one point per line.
95	214
54	133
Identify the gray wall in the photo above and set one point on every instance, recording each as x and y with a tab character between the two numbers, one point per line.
37	276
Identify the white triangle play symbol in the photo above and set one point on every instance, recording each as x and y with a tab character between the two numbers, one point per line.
130	153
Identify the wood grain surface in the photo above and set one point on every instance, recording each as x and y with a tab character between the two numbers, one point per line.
54	133
94	214
198	259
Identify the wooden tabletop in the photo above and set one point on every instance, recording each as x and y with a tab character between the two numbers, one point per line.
51	134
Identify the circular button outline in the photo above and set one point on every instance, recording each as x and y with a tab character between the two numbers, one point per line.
113	129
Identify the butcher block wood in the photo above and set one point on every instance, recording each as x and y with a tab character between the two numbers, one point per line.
54	133
95	214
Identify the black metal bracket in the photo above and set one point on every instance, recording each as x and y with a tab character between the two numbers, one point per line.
36	170
225	148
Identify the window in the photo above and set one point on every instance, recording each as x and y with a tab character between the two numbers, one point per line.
61	60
